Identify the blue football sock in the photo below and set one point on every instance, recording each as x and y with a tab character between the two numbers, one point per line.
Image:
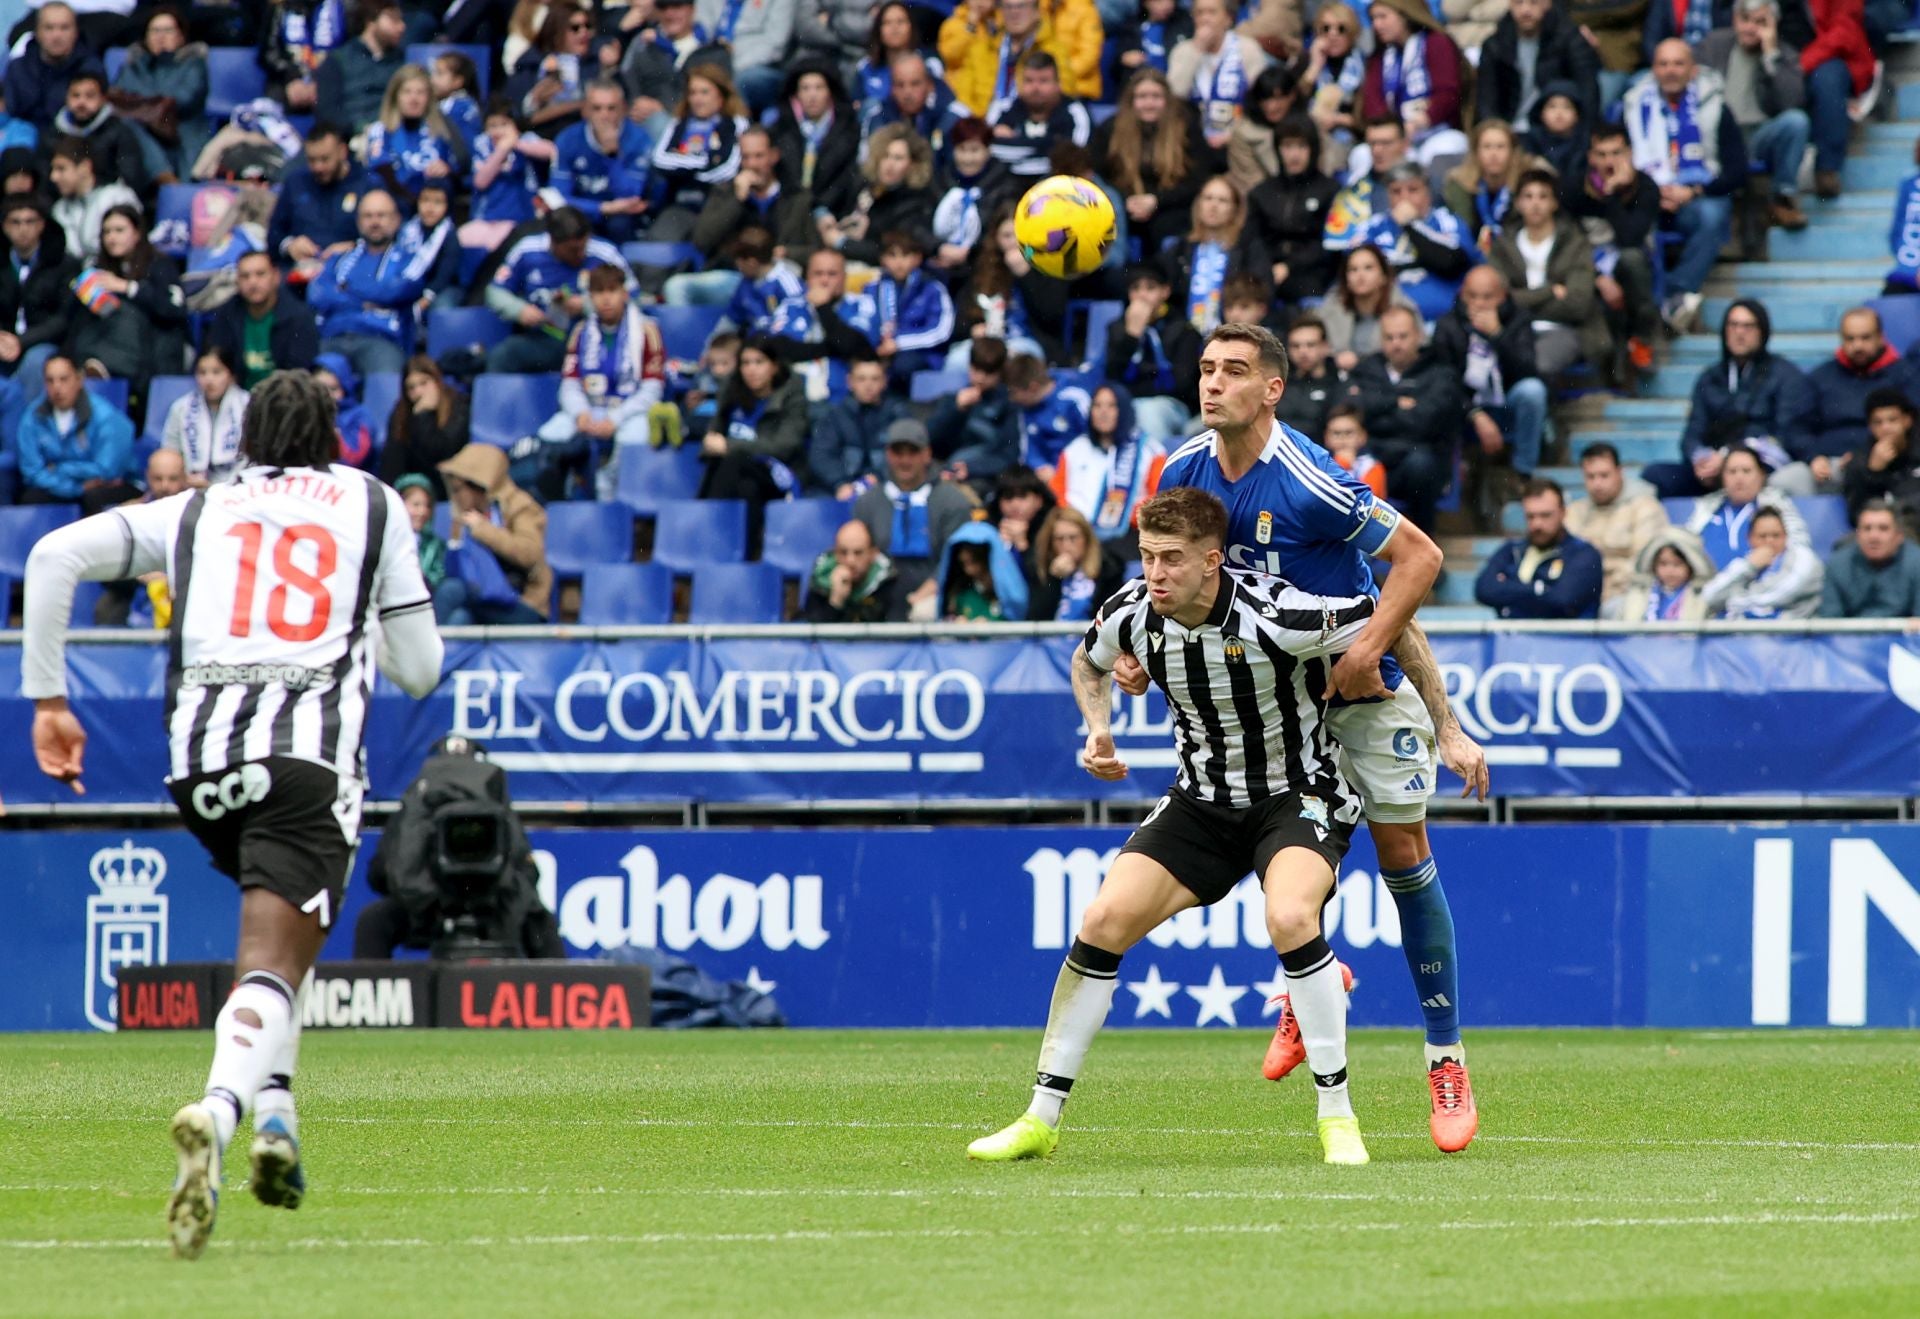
1426	937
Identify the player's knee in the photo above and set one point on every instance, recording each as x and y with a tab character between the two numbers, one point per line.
1291	923
1106	925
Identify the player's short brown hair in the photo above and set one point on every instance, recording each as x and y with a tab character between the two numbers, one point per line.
1185	512
1273	353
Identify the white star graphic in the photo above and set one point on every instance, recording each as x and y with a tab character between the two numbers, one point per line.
1216	999
754	982
1270	990
1155	994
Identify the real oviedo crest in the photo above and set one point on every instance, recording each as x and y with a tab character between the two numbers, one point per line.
126	923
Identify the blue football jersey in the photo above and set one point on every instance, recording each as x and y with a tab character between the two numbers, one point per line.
1297	514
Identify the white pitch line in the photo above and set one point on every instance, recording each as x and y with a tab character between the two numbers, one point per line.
698	1124
1008	1191
1104	1230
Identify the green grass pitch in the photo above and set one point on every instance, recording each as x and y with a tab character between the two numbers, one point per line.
817	1173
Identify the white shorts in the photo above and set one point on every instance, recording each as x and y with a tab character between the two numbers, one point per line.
1387	752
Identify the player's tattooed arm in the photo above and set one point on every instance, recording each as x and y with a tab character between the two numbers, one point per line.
1093	693
1458	752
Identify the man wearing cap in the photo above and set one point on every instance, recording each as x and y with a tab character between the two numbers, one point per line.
910	515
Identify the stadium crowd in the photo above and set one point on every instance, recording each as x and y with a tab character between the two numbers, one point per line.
747	268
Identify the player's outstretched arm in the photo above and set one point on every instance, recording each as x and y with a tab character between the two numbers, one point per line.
411	651
1458	752
1093	693
1416	564
97	549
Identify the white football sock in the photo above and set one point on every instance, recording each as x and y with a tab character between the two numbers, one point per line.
1320	1004
244	1053
1439	1052
275	1098
1082	995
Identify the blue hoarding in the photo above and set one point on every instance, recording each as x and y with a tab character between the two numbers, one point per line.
1579	925
783	717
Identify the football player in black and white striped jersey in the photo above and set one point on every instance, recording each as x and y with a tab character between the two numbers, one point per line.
290	581
1244	661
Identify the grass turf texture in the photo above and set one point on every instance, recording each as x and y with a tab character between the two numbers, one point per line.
824	1173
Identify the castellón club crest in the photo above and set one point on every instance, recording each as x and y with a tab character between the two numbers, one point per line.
126	923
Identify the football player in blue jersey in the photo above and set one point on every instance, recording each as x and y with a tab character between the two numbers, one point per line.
1293	511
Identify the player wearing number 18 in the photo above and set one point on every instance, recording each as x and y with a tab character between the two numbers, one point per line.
287	580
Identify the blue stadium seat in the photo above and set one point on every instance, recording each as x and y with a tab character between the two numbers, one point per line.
932	386
662	256
471	259
85	596
798	530
234	77
1100	316
736	593
650	478
162	392
635	594
449	328
20	527
425	52
1826	519
690	534
685	330
113	61
1678	510
173	218
378	393
1900	320
110	391
507	409
584	533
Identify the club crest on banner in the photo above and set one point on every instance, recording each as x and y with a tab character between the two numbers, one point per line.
126	923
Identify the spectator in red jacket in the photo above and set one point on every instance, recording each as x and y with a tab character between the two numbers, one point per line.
1842	77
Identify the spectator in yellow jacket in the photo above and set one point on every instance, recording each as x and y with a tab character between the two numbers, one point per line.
982	41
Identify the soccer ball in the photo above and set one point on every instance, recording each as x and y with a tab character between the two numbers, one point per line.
1065	226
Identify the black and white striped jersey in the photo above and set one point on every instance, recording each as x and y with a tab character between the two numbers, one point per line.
1244	685
278	576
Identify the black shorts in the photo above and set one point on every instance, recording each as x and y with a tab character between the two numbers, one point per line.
288	826
1212	848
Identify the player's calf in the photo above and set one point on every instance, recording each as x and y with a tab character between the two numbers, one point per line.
1297	882
1139	893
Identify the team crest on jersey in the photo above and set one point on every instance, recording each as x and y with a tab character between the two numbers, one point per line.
126	924
1234	651
1264	531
